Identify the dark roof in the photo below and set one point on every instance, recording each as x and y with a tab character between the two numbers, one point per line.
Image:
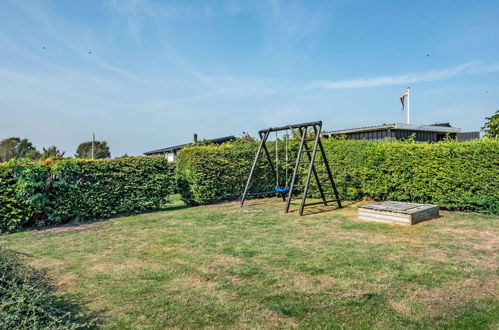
441	124
445	128
222	139
168	149
180	146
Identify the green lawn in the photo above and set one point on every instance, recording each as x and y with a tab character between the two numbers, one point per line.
222	266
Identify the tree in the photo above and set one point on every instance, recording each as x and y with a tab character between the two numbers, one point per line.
51	152
15	147
8	148
101	150
247	137
27	150
125	155
491	128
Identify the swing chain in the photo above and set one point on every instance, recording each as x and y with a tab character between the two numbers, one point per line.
276	161
286	162
287	158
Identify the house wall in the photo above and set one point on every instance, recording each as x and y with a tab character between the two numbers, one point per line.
171	156
370	136
421	136
467	136
390	134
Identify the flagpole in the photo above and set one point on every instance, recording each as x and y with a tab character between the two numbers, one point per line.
408	105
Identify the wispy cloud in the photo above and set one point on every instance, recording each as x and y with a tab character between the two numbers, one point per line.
137	12
433	75
290	25
53	25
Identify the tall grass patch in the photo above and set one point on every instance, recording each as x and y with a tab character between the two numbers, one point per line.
27	300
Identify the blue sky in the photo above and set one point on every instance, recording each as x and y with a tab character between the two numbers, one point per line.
148	74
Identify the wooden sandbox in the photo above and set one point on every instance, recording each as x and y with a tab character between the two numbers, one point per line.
398	212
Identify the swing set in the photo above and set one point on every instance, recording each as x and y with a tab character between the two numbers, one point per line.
311	166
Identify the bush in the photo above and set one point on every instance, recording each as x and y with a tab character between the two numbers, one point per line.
210	173
454	175
27	300
35	194
101	188
12	208
22	194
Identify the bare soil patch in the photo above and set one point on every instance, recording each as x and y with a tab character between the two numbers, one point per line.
73	226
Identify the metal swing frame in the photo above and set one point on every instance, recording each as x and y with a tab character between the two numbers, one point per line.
308	132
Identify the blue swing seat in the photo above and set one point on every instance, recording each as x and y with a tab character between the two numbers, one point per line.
279	189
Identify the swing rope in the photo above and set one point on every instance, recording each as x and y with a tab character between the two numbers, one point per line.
287	158
277	187
276	162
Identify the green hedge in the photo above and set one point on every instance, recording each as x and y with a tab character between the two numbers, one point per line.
210	173
42	193
11	205
454	175
27	301
22	195
101	188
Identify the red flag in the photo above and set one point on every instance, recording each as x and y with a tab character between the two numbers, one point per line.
406	94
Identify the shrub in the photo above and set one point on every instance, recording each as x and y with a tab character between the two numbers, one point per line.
41	193
31	187
100	188
210	173
27	300
13	212
454	175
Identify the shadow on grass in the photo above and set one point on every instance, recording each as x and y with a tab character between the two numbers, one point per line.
317	209
174	207
29	301
77	224
261	201
81	317
294	207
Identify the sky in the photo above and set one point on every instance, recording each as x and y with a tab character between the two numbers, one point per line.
145	74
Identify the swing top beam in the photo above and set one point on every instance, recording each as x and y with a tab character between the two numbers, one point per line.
283	128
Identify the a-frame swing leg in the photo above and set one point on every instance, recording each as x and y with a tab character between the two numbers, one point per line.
311	170
309	173
263	137
312	160
255	161
329	174
295	171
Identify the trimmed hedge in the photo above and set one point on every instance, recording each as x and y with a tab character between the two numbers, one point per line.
102	188
27	300
11	205
22	198
42	193
454	175
211	173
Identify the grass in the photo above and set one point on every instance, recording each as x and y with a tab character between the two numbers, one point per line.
27	301
222	266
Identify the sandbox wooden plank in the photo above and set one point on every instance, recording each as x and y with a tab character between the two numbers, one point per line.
398	212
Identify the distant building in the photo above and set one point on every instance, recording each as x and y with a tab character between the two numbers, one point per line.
171	152
422	133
